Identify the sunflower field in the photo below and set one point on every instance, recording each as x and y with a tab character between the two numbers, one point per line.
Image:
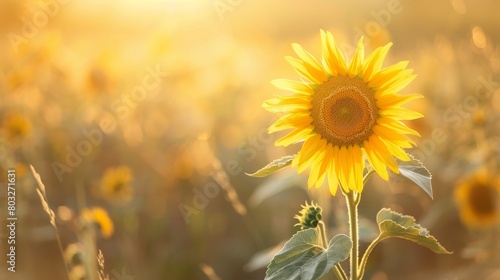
238	139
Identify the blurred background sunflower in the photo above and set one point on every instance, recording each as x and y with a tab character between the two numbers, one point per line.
16	127
172	90
478	199
98	218
115	184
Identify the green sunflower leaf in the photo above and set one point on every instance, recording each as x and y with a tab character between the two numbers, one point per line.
302	257
273	166
393	224
416	172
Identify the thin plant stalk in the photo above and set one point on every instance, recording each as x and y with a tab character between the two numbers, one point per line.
45	203
367	253
339	272
61	250
88	237
337	269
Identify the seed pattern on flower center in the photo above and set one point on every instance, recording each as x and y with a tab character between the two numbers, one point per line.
344	111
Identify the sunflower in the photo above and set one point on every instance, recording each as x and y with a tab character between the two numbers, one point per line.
99	217
477	198
16	127
74	254
115	184
345	112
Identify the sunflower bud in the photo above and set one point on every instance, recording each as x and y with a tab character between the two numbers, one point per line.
309	217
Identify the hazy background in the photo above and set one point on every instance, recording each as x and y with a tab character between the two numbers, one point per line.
82	68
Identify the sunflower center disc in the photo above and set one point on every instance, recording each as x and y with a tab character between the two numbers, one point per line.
344	110
482	200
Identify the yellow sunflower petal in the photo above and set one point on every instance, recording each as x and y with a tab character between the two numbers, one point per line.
293	86
323	168
375	161
306	161
308	148
399	139
374	61
312	176
310	63
343	163
340	162
316	170
333	58
399	113
296	98
395	77
301	68
396	150
296	120
287	104
306	155
396	126
380	77
398	84
320	180
357	61
383	153
333	181
327	55
358	167
392	99
295	136
333	186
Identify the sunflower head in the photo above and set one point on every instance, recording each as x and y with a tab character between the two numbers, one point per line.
99	218
309	217
477	199
116	184
74	254
345	112
16	127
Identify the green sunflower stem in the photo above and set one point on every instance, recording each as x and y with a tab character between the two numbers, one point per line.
339	272
353	199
